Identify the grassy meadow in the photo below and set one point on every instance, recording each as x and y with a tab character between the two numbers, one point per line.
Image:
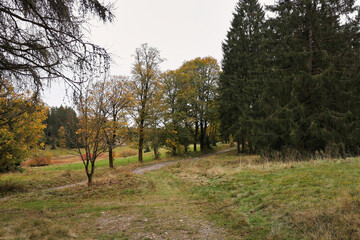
227	196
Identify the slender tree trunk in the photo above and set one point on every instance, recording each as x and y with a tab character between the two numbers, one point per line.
201	136
174	150
213	137
206	136
196	134
112	141
141	141
238	146
111	158
242	145
250	147
310	38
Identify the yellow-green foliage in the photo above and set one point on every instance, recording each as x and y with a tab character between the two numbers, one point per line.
21	127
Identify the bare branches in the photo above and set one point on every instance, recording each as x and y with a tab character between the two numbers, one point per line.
42	40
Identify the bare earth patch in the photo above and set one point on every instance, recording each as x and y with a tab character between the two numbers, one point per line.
162	213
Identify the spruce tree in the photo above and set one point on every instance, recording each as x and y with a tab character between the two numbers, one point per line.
313	75
240	82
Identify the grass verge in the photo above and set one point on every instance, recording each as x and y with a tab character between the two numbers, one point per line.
297	200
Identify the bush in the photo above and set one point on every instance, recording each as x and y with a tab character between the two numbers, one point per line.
125	153
41	160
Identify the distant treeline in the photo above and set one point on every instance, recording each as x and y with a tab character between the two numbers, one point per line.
291	82
61	127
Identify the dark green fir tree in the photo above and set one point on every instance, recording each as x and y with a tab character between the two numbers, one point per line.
311	94
241	80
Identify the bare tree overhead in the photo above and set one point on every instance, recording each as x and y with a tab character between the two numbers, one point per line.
43	40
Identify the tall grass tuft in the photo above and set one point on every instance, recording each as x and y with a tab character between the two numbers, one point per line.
339	221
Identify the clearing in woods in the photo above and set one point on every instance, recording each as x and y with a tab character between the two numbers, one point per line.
224	196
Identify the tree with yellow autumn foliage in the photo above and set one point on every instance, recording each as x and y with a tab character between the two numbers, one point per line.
202	77
91	138
21	126
115	100
145	85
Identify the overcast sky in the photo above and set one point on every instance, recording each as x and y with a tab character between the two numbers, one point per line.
181	29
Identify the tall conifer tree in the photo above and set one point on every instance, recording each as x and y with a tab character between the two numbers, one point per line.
309	98
242	72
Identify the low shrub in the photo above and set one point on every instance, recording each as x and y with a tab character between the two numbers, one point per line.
125	153
41	160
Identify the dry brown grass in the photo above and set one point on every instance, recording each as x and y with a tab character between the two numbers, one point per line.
36	227
338	221
126	153
232	164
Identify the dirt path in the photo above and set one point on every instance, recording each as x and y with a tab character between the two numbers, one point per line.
156	166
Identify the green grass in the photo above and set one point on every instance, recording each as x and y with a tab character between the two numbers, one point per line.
268	200
227	196
37	178
60	152
98	163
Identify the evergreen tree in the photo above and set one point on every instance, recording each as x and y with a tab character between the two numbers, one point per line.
61	117
240	82
313	76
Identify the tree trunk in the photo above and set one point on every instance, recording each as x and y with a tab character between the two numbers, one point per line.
204	141
89	180
141	141
238	146
250	147
242	145
201	136
112	141
156	154
207	138
111	158
91	173
196	134
309	38
174	150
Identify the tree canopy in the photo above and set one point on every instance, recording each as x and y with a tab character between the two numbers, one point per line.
292	81
43	40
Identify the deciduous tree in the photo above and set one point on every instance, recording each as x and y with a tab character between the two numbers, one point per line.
116	101
20	131
144	86
202	75
91	133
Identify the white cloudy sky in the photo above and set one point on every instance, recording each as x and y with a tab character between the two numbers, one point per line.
181	29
